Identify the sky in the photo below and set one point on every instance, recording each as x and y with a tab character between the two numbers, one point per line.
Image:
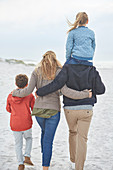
29	28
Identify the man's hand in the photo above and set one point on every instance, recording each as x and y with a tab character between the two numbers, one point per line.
90	93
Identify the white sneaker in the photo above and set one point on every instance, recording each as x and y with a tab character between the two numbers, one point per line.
72	165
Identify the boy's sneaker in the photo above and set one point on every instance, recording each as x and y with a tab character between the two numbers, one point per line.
21	167
27	161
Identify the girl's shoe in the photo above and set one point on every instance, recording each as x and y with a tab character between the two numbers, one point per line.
21	167
27	161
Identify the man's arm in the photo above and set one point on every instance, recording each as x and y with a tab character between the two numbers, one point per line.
56	84
74	94
99	86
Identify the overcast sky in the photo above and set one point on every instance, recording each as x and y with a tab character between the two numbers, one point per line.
28	28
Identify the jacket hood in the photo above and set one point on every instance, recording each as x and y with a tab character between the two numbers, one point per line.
16	99
81	70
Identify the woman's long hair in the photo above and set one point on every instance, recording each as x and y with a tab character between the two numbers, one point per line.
49	65
81	18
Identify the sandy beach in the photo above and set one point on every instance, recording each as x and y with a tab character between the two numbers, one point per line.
100	138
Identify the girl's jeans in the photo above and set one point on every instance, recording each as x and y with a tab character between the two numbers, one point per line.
18	135
73	60
48	129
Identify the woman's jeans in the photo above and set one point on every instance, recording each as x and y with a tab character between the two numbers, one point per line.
18	135
48	129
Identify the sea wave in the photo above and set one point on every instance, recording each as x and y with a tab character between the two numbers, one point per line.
15	61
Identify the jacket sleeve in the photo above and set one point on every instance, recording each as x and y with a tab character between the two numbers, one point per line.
69	45
28	90
99	87
55	85
32	101
93	42
74	94
8	106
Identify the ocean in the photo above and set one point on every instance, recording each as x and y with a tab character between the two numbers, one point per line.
100	138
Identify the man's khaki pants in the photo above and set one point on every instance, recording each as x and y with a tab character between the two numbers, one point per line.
78	122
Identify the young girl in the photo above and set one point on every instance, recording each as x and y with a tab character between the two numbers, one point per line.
80	44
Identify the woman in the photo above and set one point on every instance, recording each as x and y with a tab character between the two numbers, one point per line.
47	108
78	112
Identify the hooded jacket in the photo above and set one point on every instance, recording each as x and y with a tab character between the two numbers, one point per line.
77	77
20	109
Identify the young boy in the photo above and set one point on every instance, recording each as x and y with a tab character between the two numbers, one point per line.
21	121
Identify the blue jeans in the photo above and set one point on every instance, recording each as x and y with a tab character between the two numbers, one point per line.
48	129
18	135
73	60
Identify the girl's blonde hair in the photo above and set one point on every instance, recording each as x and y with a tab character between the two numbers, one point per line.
81	18
49	65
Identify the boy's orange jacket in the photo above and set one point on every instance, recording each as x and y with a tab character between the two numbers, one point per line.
20	109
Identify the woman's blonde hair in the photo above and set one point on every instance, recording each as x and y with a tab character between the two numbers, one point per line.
49	65
81	18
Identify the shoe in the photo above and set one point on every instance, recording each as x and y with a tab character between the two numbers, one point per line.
27	161
72	165
21	167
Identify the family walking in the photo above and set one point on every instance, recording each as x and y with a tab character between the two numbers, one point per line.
78	81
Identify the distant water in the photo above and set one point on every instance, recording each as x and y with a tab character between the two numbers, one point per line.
16	61
100	143
34	62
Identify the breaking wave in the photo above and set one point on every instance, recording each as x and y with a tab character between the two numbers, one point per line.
15	61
